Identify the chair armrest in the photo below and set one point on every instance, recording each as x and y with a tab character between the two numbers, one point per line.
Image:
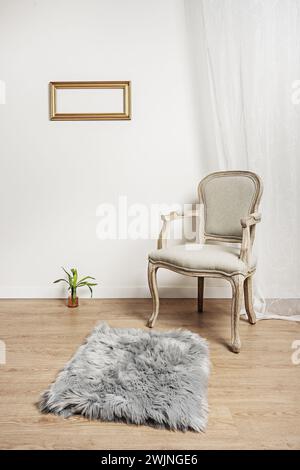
251	219
175	215
167	218
246	223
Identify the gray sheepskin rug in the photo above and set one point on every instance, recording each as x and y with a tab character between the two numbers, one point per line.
135	376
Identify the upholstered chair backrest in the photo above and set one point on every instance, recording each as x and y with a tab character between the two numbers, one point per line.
227	196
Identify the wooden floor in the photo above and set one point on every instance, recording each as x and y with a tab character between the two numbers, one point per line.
253	396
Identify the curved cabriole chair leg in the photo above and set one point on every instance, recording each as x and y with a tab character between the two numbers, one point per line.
152	280
248	296
237	296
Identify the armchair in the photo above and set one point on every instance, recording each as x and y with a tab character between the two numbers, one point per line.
230	200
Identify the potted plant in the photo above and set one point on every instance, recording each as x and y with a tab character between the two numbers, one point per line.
73	284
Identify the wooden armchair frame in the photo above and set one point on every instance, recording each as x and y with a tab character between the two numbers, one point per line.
239	281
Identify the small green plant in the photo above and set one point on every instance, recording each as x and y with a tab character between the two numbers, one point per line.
73	284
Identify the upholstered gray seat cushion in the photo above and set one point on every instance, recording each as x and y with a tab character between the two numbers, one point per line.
206	257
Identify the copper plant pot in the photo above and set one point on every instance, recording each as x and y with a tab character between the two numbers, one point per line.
72	303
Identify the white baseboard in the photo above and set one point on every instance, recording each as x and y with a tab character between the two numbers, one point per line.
113	292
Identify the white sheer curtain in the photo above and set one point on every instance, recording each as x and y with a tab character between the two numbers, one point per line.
245	56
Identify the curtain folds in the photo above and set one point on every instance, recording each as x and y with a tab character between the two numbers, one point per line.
245	59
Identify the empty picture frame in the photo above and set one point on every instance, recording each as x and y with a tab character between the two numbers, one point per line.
90	101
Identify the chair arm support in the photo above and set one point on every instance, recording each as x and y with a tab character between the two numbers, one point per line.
246	223
167	218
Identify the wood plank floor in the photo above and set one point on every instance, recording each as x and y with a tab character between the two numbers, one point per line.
253	396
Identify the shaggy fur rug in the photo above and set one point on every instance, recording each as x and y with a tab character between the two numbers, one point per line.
136	376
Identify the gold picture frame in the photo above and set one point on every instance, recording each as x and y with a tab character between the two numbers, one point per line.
101	116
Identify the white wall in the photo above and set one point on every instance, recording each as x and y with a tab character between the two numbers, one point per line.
54	175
